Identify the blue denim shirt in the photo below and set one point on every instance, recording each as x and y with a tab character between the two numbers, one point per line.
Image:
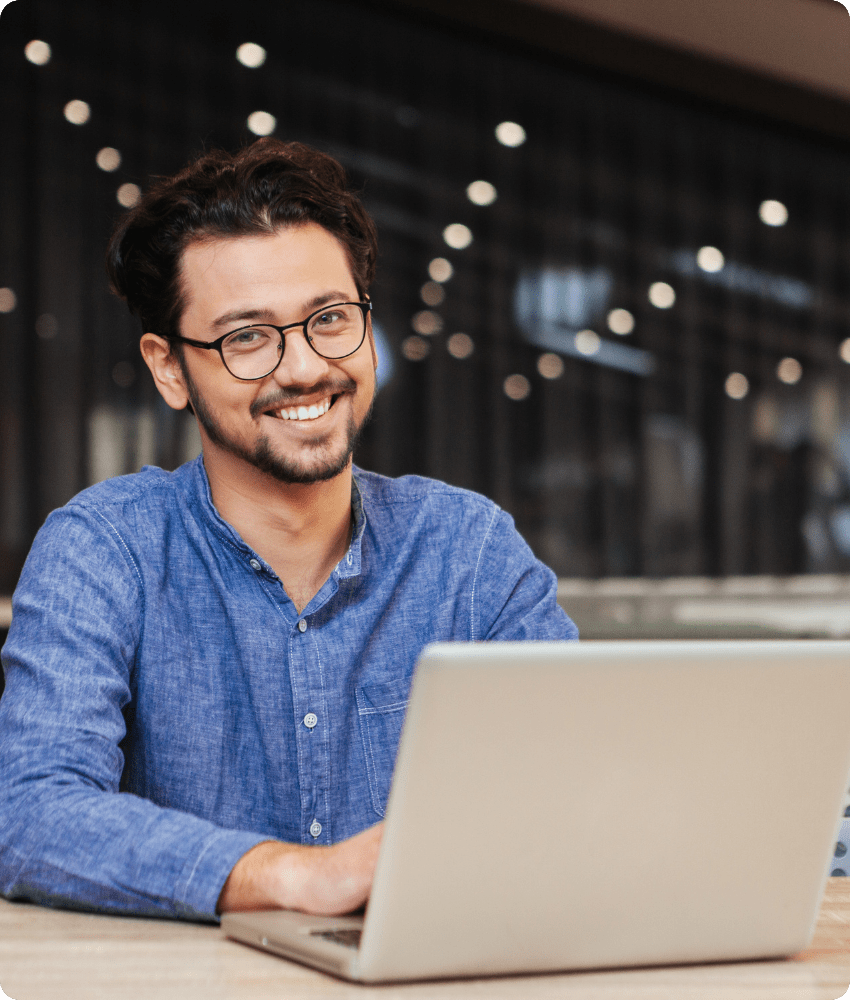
166	708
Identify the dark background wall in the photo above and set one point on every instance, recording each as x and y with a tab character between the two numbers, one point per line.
634	459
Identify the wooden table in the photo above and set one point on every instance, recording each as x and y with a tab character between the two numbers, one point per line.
57	955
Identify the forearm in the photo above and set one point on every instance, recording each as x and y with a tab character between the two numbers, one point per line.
112	852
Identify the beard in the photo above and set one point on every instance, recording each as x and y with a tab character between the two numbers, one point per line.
323	462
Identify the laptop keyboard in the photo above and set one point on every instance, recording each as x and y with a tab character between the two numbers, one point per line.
350	937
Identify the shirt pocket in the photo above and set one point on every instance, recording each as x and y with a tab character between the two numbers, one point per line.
381	709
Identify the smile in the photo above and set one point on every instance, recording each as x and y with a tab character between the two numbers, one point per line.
311	412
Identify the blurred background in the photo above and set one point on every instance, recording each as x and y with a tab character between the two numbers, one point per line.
614	281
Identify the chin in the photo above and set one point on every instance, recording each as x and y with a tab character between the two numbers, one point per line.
292	471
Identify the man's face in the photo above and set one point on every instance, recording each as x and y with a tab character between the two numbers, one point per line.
232	282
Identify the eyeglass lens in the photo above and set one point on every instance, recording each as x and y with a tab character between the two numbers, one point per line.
255	351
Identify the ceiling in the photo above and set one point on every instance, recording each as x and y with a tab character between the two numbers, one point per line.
803	42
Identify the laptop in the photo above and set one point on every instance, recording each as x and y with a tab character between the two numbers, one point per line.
562	806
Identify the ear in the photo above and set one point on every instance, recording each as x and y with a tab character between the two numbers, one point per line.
165	368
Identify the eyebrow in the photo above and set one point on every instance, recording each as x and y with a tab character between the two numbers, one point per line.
268	315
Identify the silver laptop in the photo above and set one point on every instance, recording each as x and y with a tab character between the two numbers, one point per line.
562	806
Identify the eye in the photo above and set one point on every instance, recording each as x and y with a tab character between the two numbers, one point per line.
250	337
328	318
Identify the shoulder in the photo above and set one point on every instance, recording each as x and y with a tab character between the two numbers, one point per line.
135	488
130	512
419	492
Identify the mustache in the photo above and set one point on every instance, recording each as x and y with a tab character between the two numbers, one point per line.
285	394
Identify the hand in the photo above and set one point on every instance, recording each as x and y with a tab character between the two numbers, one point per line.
319	880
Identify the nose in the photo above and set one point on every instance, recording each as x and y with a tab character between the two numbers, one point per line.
300	365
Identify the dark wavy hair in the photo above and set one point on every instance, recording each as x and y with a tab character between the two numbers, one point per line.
264	187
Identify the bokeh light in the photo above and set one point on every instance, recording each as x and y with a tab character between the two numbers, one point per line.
460	345
662	295
550	365
440	269
251	55
432	293
517	387
737	385
621	322
415	348
587	342
710	259
77	112
789	371
38	52
773	213
8	300
457	235
481	193
427	323
510	134
128	195
261	123
108	159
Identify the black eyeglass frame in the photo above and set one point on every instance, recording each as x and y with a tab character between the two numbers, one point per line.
216	345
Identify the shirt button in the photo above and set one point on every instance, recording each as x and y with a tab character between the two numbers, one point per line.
315	828
302	626
310	720
254	564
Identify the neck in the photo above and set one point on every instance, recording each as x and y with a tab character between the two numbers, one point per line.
301	530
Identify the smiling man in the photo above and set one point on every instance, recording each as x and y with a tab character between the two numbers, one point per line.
207	670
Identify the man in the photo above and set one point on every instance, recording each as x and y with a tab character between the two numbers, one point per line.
207	670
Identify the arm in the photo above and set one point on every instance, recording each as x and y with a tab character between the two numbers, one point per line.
515	595
68	835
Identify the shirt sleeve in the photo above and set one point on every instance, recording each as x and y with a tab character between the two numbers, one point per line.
515	594
69	837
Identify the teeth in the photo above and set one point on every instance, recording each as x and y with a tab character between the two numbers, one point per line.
306	412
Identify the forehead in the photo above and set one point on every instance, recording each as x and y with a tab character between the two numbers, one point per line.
276	271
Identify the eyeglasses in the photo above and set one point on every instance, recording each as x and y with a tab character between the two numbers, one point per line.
253	352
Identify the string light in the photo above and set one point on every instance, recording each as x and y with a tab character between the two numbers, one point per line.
8	300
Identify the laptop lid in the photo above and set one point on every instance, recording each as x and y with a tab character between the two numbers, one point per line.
562	806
